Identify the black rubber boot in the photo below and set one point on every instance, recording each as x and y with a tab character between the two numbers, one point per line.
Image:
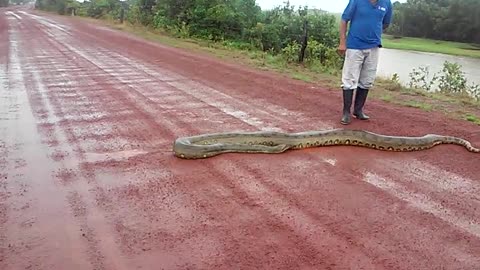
360	98
347	105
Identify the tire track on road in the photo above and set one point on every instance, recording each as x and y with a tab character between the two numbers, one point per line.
33	211
4	147
94	228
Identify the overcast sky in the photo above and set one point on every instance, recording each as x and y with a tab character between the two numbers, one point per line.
328	5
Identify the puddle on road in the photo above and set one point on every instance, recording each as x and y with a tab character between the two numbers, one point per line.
112	156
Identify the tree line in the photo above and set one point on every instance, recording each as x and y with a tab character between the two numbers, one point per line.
451	20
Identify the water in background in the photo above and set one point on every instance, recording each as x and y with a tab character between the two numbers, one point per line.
403	62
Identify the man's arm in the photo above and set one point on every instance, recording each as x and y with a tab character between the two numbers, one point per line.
346	18
343	31
388	16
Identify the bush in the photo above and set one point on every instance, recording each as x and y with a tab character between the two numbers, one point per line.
451	81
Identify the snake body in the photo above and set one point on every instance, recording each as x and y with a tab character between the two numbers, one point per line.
272	142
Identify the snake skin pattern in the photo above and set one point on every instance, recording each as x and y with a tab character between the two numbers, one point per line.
270	142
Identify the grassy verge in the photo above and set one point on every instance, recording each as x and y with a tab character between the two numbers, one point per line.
452	106
432	46
455	107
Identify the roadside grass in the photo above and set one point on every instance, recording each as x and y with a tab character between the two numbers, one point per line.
452	106
473	118
431	46
418	104
385	89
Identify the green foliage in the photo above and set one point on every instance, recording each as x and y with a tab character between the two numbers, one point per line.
97	8
420	78
452	20
290	52
395	78
472	118
326	55
211	19
451	81
52	5
243	25
90	8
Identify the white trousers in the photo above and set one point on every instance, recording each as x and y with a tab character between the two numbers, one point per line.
360	68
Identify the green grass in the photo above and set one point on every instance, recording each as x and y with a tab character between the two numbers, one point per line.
432	46
386	97
473	118
418	104
302	77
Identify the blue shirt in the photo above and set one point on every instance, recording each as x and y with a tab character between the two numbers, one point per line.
366	22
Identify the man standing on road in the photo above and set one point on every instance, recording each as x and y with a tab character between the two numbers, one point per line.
368	19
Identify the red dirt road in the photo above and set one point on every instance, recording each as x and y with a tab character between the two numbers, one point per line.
88	117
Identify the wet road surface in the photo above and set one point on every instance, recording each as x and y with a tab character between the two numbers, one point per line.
88	117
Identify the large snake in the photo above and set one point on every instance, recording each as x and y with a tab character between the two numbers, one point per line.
271	142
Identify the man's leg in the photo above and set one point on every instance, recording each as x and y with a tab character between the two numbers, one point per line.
350	75
366	80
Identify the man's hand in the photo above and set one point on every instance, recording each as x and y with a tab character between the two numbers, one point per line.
342	48
343	32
